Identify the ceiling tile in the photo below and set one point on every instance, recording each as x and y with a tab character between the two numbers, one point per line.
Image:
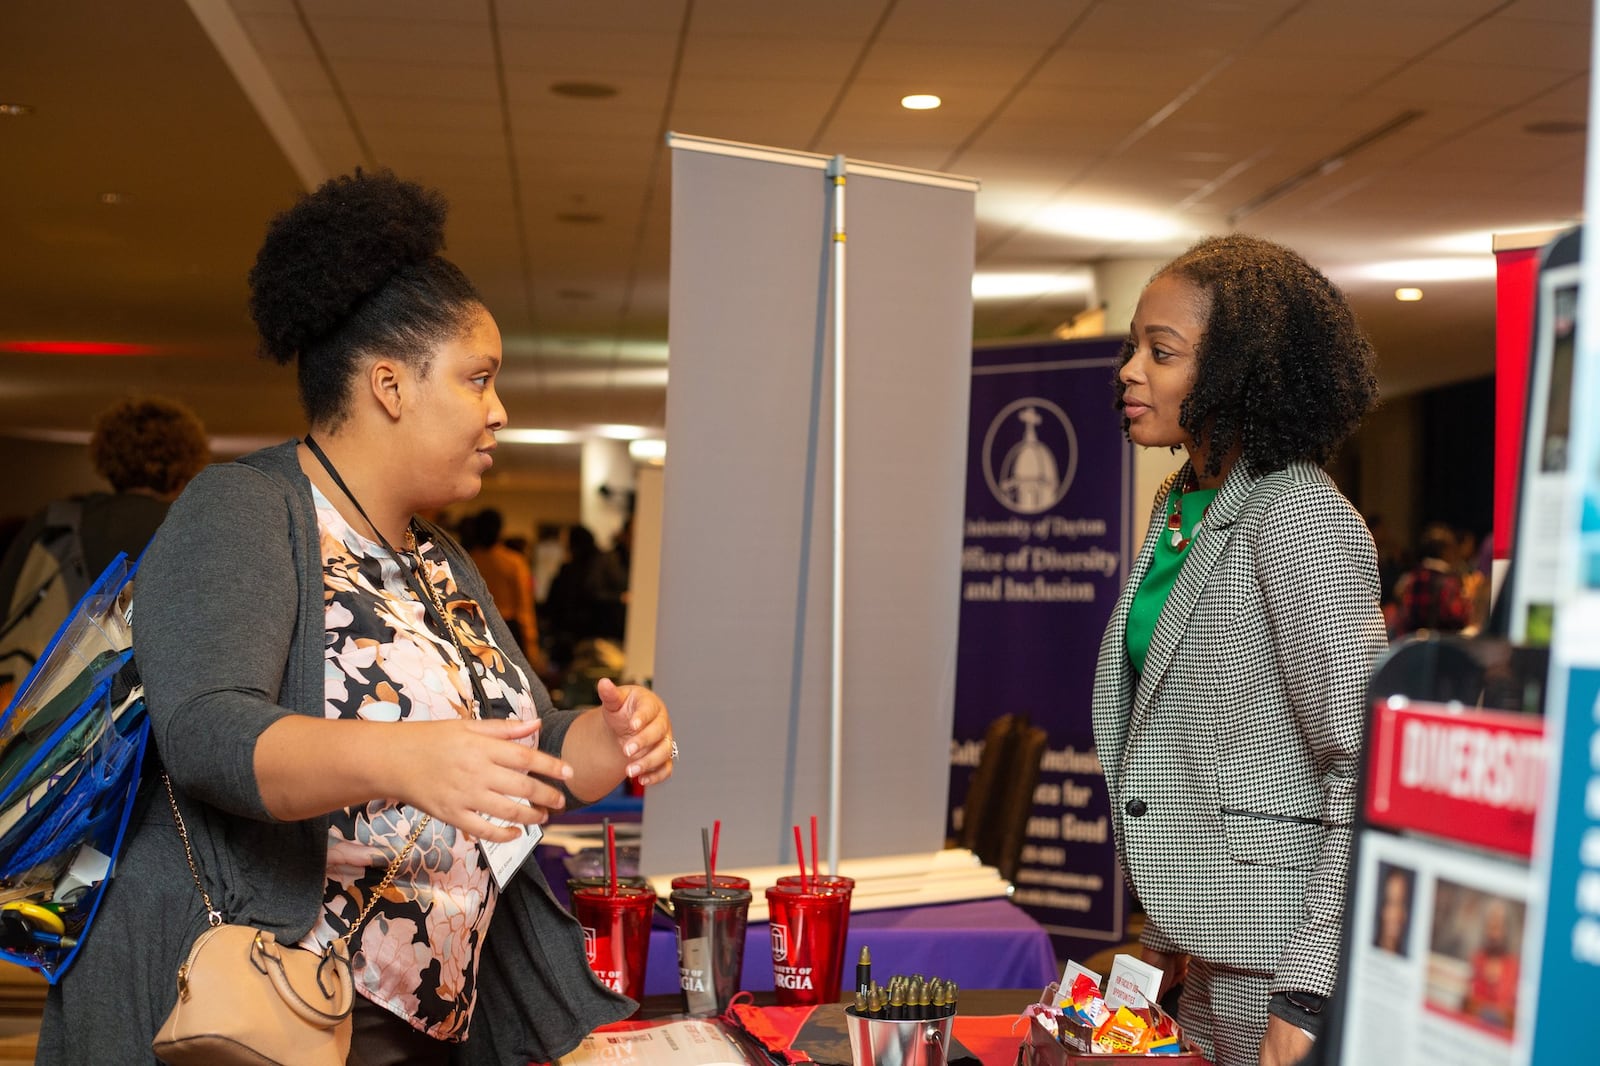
719	57
1265	72
575	55
755	97
409	11
1125	67
1028	146
1329	28
1088	104
1508	40
390	41
851	19
278	35
1171	26
299	74
336	146
930	67
595	19
395	143
467	84
422	115
1570	12
1432	81
1013	22
317	108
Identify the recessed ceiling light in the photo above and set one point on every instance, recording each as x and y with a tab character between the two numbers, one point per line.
580	218
15	110
920	102
1556	127
113	199
1408	296
584	90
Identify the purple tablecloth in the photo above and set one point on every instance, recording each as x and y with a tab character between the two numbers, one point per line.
984	944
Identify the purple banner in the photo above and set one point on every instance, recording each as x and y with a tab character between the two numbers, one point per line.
1045	553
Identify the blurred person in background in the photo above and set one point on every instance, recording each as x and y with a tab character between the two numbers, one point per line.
548	555
509	579
148	449
1432	595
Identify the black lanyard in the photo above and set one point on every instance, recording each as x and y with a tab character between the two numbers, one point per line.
408	571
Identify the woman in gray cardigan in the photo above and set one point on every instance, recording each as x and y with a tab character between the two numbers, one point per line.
1229	692
327	677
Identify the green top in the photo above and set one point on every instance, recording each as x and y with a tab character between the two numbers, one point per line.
1165	565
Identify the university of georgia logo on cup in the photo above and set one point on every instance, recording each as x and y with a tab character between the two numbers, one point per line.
589	945
780	942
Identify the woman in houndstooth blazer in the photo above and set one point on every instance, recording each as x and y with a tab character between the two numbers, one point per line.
1229	693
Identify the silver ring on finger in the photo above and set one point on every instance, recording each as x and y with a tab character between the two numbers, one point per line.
674	751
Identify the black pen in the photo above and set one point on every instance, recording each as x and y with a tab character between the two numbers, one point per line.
864	971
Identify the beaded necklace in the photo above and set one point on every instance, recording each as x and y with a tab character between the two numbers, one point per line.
1175	535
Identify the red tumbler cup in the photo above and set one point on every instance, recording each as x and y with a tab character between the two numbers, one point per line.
616	934
808	933
831	883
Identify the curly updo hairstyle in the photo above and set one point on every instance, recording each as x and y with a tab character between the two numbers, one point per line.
1283	369
351	270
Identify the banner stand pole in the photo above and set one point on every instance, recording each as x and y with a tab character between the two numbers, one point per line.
836	174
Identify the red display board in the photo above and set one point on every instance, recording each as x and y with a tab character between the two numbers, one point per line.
1474	777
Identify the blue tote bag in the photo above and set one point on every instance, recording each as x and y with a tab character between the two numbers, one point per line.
71	744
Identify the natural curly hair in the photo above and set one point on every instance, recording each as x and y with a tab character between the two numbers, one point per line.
353	269
1283	370
149	443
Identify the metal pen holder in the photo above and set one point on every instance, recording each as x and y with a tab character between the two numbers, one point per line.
885	1042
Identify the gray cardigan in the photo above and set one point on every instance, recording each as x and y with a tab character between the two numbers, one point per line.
229	637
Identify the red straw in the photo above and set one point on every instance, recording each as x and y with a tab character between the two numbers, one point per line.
716	831
816	871
611	856
800	850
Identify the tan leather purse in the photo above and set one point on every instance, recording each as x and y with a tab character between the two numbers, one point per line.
244	998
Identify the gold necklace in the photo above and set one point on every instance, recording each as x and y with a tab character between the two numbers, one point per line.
414	550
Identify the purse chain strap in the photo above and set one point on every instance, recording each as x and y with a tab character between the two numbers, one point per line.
214	916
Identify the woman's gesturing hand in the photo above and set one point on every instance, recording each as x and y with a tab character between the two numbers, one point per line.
638	720
466	770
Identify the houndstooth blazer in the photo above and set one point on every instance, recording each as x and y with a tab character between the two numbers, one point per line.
1232	765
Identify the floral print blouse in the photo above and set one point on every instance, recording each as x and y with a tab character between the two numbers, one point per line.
417	953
